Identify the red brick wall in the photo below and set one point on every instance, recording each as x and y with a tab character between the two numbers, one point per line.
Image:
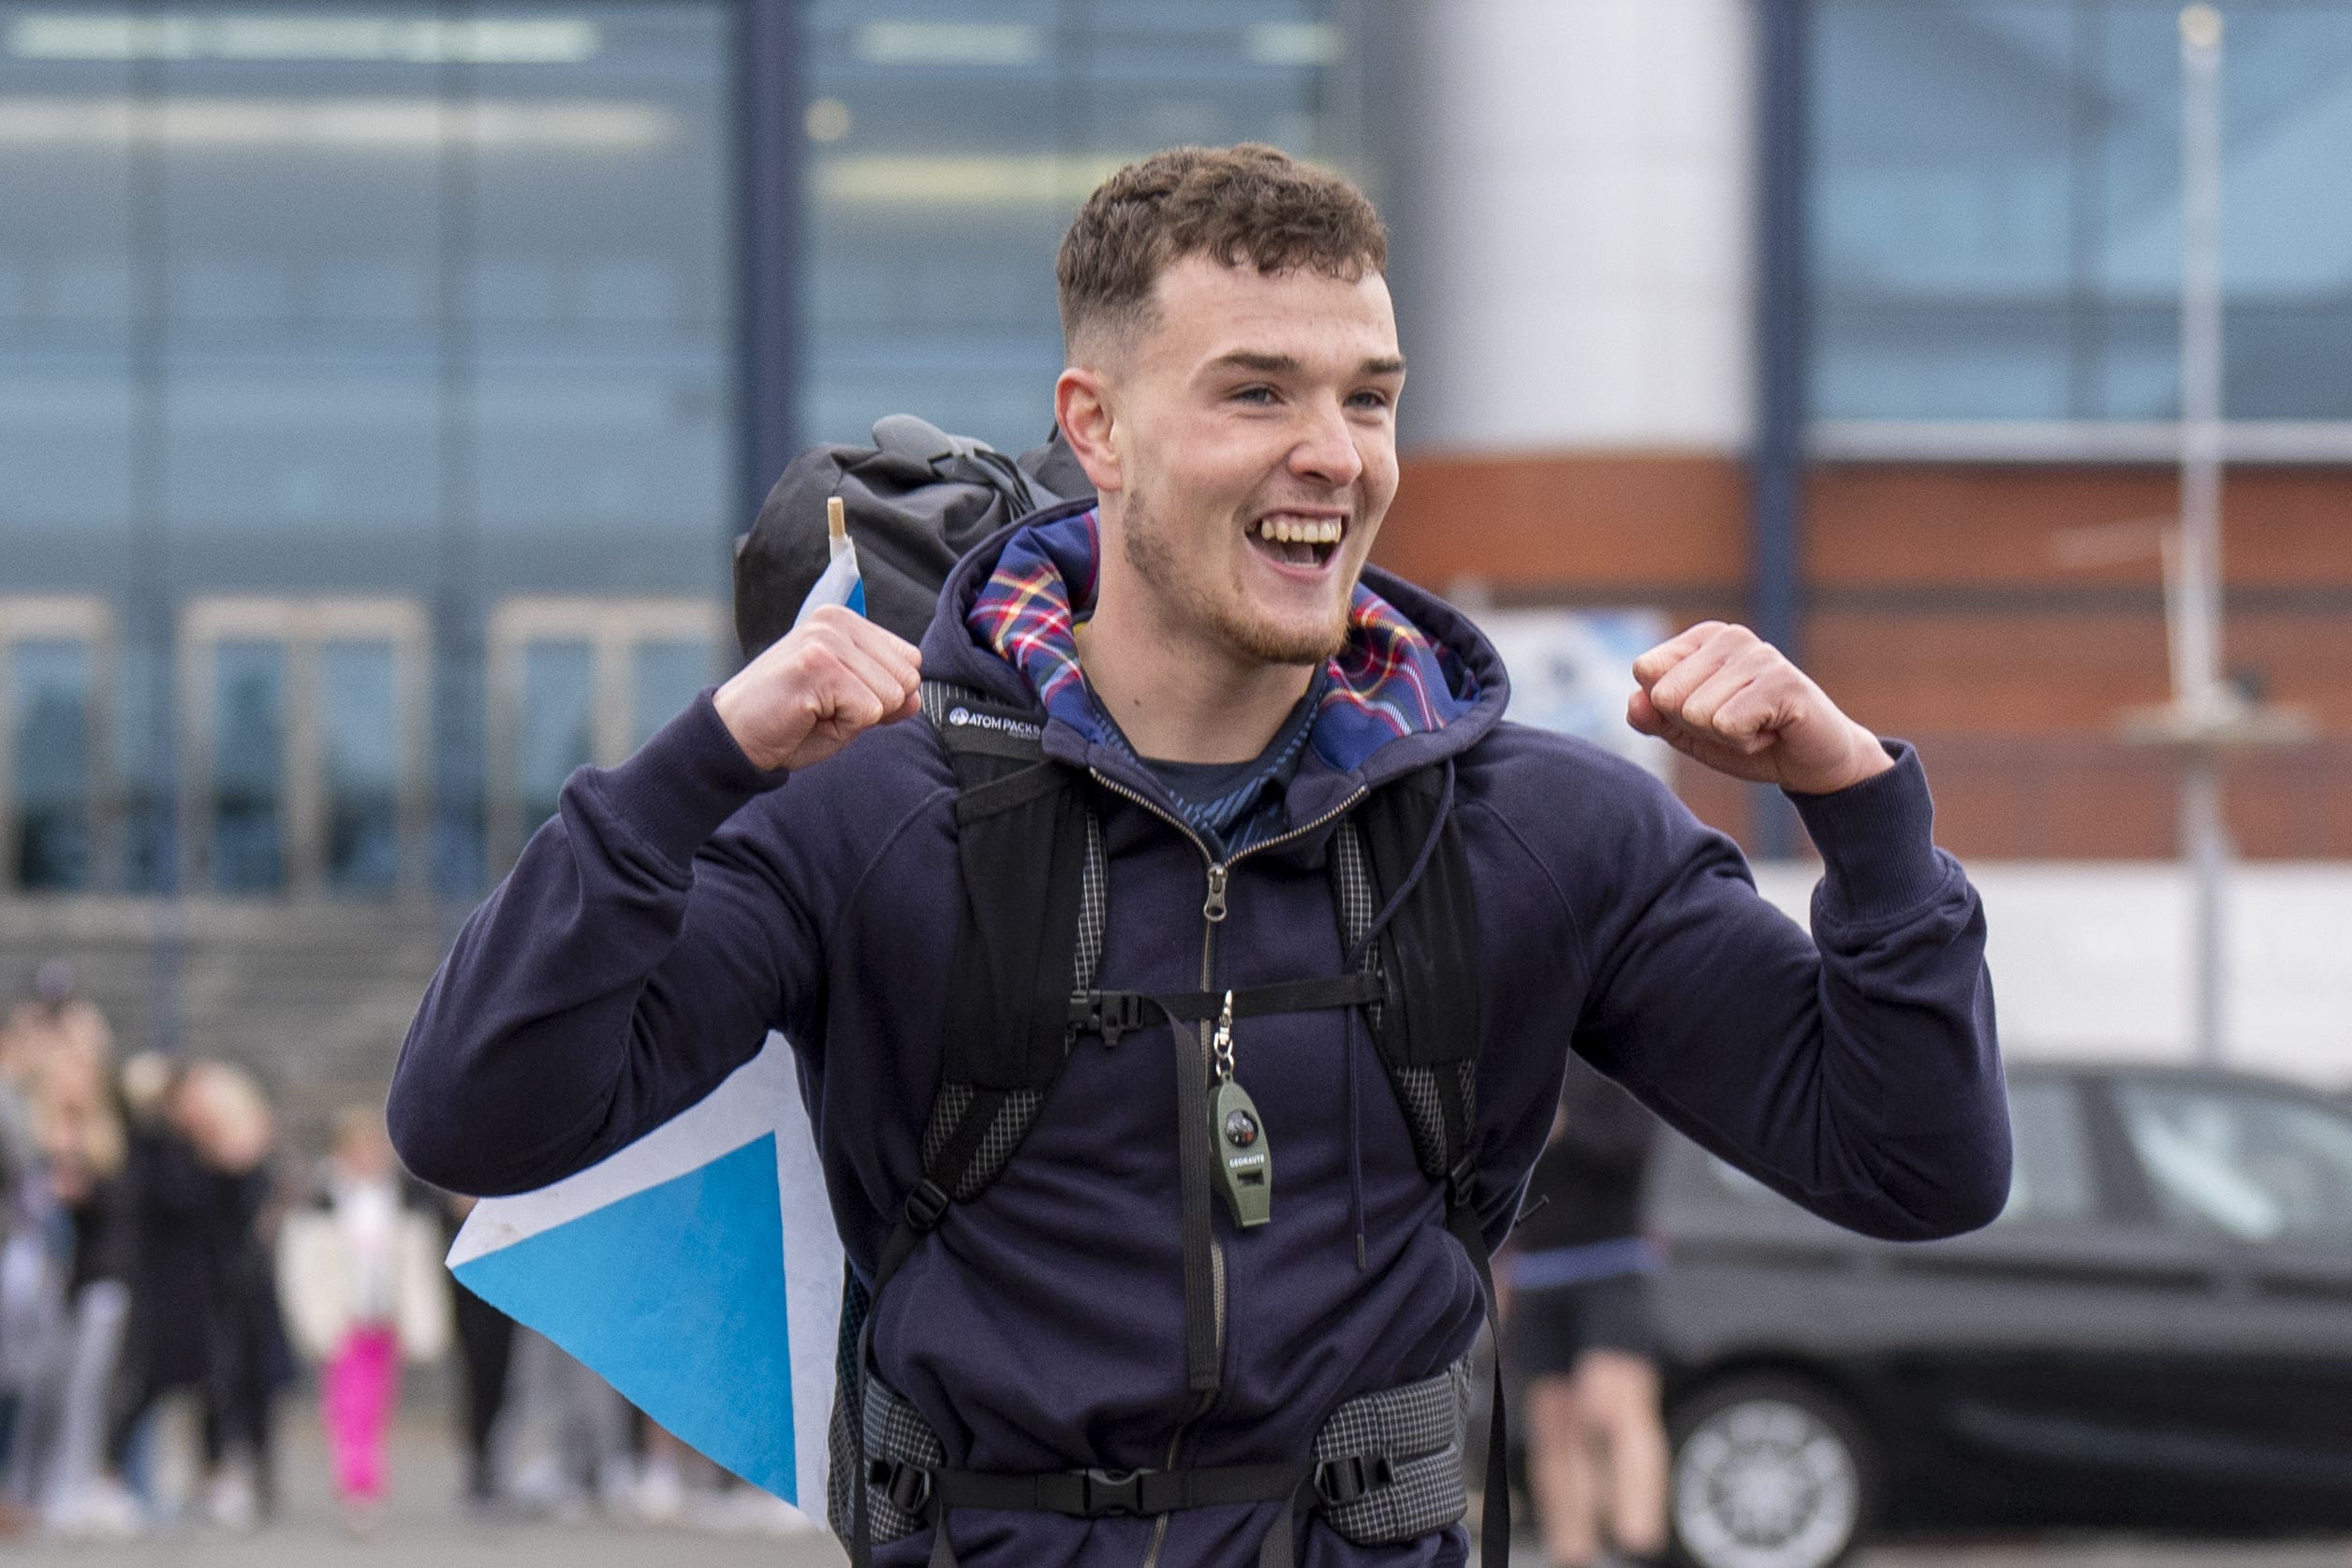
1941	608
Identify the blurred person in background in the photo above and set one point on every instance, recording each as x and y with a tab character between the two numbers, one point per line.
58	1021
58	1464
206	1317
570	1434
32	1276
485	1338
1578	1332
358	1272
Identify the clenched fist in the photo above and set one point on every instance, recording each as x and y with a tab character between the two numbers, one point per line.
1723	697
836	676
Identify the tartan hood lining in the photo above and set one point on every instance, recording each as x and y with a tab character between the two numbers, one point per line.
1391	682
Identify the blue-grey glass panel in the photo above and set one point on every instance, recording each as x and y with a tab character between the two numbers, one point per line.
559	698
665	677
598	297
66	293
1940	208
302	203
1995	201
359	737
248	826
949	146
50	698
2286	211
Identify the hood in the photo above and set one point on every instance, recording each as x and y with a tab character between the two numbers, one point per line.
1417	682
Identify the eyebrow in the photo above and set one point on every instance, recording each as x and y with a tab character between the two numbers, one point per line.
1287	364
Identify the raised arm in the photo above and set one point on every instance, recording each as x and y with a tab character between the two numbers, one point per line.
1857	1070
631	960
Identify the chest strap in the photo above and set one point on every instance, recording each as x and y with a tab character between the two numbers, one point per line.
1114	1014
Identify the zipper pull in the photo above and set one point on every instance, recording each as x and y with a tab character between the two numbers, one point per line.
1214	908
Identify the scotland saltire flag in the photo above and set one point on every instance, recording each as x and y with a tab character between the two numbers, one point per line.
697	1270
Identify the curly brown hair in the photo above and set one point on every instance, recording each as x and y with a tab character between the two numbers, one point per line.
1249	202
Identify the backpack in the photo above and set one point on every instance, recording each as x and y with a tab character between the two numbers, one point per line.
1035	900
917	499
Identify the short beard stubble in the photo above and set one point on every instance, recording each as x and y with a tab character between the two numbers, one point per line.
1150	553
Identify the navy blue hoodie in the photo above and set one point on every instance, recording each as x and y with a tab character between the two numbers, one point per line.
683	903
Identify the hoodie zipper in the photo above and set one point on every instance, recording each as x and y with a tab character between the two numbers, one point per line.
1212	913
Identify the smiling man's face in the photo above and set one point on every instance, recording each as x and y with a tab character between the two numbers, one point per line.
1253	424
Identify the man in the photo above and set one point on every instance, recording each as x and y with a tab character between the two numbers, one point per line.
1198	653
1577	1333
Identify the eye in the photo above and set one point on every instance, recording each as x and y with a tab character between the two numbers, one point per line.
1370	397
1256	397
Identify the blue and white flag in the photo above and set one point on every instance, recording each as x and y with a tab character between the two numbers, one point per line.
841	583
697	1270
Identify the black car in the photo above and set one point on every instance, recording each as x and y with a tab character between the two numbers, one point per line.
2157	1333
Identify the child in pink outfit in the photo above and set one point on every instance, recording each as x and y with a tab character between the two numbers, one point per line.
358	1275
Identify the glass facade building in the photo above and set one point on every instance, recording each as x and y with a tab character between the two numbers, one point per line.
371	380
1995	211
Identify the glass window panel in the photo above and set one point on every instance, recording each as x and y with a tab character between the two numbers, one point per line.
249	767
2249	1165
600	304
48	721
1940	199
558	722
665	677
360	737
297	397
947	152
1996	210
66	307
2050	1175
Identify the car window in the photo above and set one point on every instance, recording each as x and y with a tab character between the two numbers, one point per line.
2250	1165
2050	1176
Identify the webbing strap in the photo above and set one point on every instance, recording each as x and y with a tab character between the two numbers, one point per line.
1112	1014
1461	1218
1102	1494
927	1205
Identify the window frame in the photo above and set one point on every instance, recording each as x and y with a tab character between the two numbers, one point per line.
88	620
303	625
614	628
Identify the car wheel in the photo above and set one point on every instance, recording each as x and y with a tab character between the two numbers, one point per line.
1770	1471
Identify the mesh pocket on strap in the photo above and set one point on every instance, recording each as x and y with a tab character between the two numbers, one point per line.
1417	1429
895	1431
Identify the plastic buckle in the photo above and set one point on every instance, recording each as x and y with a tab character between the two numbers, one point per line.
907	1485
1109	1014
1112	1491
927	1205
1340	1481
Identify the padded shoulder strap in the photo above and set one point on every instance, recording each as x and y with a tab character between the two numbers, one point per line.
1035	893
1021	830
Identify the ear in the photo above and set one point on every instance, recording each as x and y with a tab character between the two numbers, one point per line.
1082	406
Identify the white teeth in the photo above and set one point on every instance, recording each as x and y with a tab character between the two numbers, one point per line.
1317	531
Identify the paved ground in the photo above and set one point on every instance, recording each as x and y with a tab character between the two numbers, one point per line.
421	1530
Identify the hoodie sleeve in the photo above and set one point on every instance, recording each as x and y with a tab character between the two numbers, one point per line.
625	966
1855	1071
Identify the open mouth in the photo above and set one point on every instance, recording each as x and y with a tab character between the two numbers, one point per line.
1296	540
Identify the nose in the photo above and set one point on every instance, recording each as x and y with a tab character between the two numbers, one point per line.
1325	450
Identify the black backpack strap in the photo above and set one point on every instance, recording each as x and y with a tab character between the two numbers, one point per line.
1013	947
1402	878
1005	1047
